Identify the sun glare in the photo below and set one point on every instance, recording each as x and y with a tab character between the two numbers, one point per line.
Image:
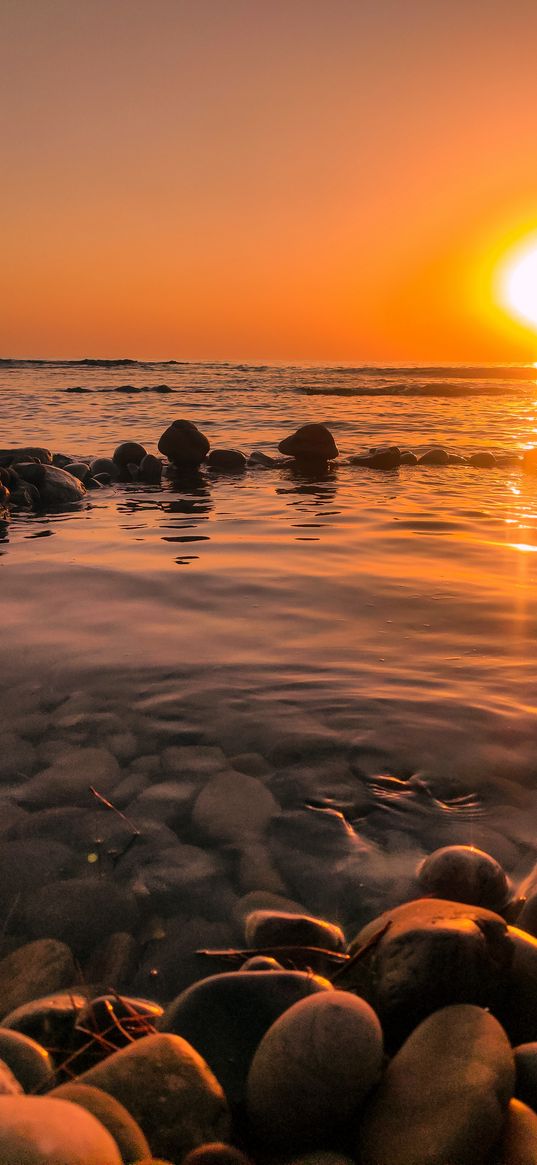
518	282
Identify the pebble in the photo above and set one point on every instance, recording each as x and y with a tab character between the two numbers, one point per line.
526	1073
227	460
251	763
78	469
150	469
17	757
216	1153
170	963
80	912
41	1131
483	460
26	453
434	457
270	928
444	1096
519	1014
49	1021
226	1016
29	1061
33	970
129	452
9	1085
104	465
25	865
384	459
312	1071
68	780
193	762
167	801
183	444
519	1139
232	806
464	874
112	1115
113	961
169	1090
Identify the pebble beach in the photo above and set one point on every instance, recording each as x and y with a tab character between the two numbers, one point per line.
267	737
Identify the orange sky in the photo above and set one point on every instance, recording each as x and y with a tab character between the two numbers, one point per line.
304	180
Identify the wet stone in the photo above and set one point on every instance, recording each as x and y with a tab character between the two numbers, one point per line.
464	874
169	1090
431	953
434	457
444	1096
227	460
80	912
310	443
266	928
9	1085
49	1021
312	1072
129	452
33	970
183	444
18	757
114	1117
38	1131
233	805
226	1016
29	1061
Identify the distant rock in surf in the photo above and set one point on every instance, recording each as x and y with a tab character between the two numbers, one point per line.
312	444
434	457
184	445
129	452
380	459
26	453
228	460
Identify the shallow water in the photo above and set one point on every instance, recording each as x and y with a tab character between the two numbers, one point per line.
385	619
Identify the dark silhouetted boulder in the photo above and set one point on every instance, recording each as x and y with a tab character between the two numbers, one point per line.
184	445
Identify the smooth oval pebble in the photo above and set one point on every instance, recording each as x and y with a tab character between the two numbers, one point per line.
312	1071
461	873
226	1016
35	1130
121	1125
28	1060
169	1090
216	1153
9	1085
526	1073
519	1138
271	928
444	1096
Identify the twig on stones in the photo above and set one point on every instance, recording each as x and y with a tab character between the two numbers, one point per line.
359	954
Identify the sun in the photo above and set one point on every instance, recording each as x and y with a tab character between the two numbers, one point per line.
517	282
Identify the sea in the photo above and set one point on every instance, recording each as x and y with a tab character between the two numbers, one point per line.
372	636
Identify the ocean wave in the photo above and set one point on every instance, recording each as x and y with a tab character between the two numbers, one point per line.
402	389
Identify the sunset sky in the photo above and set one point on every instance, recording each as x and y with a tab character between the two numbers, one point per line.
265	180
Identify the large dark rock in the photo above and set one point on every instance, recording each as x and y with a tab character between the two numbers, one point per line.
226	1016
443	1099
169	1090
55	486
431	953
310	443
183	444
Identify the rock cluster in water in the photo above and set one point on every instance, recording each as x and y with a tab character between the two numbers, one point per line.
31	477
413	1043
